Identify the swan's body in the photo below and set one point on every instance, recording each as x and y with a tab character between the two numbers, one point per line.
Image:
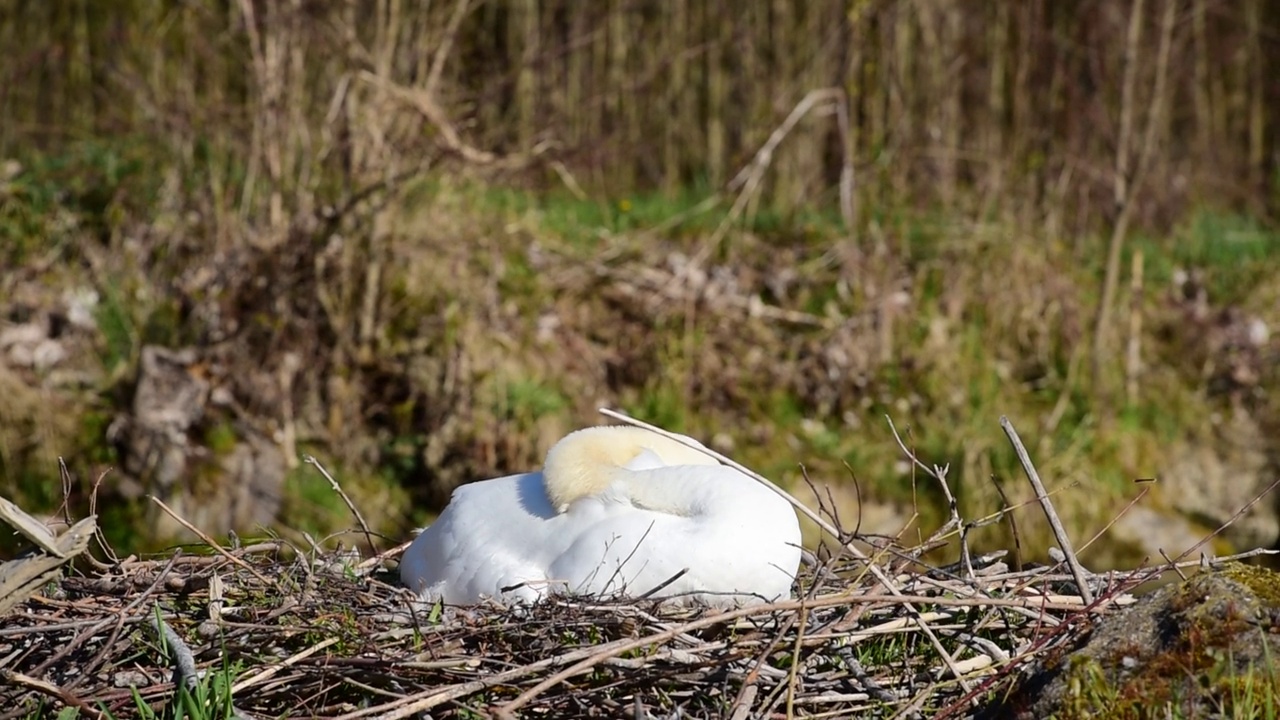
615	511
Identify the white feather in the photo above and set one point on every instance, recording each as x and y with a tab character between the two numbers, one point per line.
637	509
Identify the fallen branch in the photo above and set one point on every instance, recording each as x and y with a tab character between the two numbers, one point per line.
23	577
1059	532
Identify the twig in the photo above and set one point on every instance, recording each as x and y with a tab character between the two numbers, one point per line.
614	649
742	707
53	691
793	674
1059	532
98	535
31	528
407	706
750	688
663	584
1005	511
449	139
868	683
750	178
269	672
209	541
364	526
1231	521
1123	511
1041	642
586	658
444	46
407	669
1127	183
64	474
368	564
938	473
1172	564
88	634
24	576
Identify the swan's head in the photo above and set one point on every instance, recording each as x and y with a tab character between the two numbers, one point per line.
585	462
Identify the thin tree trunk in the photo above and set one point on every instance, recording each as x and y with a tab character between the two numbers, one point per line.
1257	116
1131	185
717	96
1200	85
1121	198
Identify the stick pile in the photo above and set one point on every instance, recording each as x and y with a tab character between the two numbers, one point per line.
271	630
302	635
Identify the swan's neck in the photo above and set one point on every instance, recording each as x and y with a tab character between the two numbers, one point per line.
663	494
586	462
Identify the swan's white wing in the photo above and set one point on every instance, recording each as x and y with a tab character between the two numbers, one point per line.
733	537
493	534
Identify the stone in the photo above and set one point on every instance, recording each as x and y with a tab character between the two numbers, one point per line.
1188	647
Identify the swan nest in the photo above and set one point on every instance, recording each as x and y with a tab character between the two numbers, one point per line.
271	630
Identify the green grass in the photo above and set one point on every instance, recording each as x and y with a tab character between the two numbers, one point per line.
311	502
208	699
531	399
687	213
90	184
116	324
662	404
1248	694
1235	252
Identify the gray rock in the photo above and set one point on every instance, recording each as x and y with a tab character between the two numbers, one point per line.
216	490
1189	647
1210	481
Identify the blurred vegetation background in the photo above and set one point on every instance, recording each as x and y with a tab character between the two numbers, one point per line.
421	240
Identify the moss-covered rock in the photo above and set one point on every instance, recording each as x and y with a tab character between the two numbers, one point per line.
1204	647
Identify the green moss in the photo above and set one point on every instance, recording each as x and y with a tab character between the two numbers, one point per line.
1170	688
1263	582
117	326
529	399
163	326
220	437
311	503
1207	650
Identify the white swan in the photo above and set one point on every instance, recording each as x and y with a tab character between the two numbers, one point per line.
615	511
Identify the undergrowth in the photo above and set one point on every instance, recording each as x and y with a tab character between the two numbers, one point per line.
505	317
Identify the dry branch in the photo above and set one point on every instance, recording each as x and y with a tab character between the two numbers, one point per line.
1059	532
31	528
426	105
355	512
24	576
